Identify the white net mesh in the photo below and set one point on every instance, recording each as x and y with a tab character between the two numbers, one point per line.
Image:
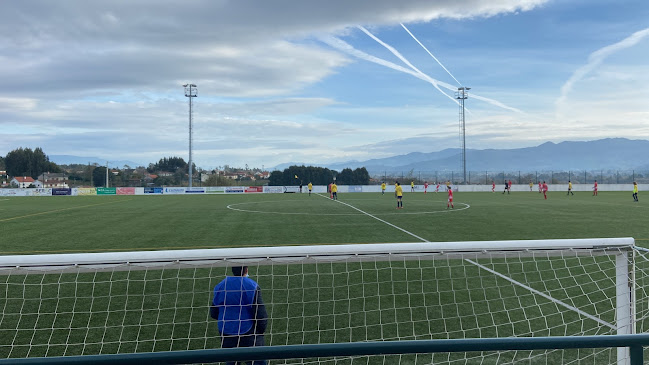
74	310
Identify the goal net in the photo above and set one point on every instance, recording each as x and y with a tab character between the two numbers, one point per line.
107	303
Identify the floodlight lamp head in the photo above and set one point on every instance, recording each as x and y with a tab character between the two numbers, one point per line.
190	90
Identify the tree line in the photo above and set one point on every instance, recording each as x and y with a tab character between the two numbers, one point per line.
302	175
28	162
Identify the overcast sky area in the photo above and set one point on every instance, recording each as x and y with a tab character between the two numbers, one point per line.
317	82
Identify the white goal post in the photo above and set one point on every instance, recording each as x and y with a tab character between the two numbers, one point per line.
120	302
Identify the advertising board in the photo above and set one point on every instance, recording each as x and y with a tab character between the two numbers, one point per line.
42	192
86	191
234	189
291	189
195	191
61	191
106	191
125	191
215	190
174	191
254	189
273	189
152	190
15	192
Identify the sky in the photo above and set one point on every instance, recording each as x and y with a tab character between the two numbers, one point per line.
317	82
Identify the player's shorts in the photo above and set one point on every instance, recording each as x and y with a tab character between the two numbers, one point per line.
450	200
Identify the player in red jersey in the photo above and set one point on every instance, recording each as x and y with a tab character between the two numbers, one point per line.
425	187
509	188
450	198
540	187
493	186
545	190
595	188
437	188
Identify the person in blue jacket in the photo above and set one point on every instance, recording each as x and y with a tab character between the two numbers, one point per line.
240	311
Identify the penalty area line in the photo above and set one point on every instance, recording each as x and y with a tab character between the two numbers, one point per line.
377	218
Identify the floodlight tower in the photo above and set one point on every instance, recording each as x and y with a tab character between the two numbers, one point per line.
462	94
190	92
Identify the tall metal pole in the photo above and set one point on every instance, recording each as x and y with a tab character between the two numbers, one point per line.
190	92
462	94
106	173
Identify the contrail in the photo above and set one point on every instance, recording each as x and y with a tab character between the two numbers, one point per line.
435	58
349	49
596	58
423	76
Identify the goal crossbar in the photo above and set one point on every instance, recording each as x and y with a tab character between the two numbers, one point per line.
116	261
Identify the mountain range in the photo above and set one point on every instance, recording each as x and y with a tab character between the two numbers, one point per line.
70	160
603	154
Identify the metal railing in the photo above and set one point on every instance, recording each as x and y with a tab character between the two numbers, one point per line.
635	343
517	177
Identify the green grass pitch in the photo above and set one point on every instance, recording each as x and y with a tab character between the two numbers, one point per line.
104	223
152	312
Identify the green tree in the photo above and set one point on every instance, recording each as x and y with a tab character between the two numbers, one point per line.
25	162
99	176
305	174
170	164
276	178
345	177
360	176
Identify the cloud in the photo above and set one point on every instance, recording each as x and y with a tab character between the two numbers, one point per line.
232	48
595	60
17	104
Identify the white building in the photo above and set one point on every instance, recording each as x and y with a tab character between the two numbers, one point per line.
21	181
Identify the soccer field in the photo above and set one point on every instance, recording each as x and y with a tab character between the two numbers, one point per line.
108	223
159	310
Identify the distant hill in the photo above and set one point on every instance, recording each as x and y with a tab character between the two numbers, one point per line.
603	154
69	160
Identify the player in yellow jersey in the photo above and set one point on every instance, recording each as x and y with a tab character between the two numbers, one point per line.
448	184
383	188
398	192
310	186
334	191
635	191
531	185
570	188
412	186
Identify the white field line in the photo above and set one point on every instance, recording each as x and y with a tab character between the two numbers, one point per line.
378	219
233	207
532	290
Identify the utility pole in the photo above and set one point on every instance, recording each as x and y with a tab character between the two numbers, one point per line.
462	94
190	92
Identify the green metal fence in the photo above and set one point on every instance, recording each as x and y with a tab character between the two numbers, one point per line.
635	343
